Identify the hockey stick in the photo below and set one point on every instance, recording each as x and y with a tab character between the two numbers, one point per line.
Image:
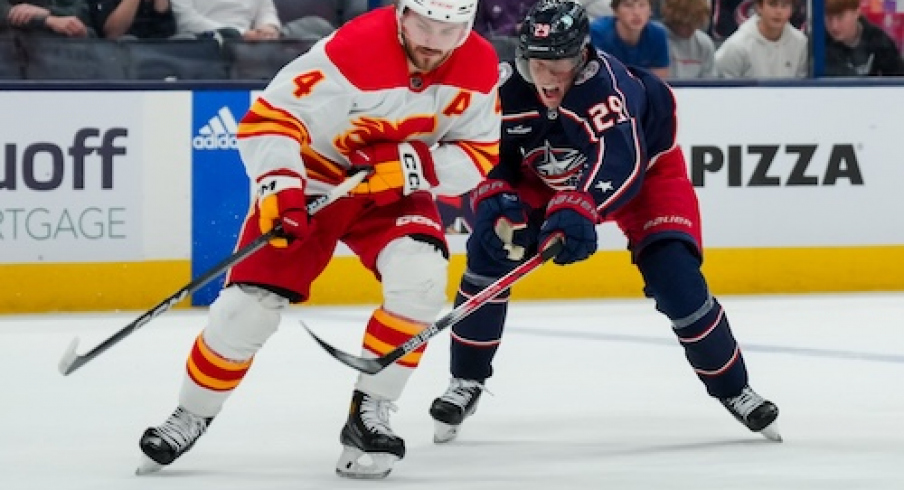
375	365
72	361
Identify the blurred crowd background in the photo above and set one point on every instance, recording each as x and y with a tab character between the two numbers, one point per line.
251	39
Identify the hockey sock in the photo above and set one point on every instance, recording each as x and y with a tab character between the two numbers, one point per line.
211	371
712	351
386	331
476	338
673	278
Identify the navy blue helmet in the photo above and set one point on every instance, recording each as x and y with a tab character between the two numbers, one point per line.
554	29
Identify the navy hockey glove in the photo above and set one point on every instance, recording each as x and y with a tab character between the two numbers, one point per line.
499	215
573	215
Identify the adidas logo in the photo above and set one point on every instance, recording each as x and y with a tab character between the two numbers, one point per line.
218	133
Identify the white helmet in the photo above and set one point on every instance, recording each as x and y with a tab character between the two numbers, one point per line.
442	10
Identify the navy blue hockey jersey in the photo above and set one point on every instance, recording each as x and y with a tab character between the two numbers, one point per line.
611	125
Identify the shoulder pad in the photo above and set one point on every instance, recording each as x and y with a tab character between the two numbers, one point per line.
589	71
505	71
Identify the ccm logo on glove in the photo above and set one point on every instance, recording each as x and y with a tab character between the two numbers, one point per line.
395	170
413	170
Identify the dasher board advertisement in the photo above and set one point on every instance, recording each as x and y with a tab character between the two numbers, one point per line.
795	166
70	182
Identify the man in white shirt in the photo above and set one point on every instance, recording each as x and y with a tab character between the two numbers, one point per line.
597	8
765	46
691	50
253	20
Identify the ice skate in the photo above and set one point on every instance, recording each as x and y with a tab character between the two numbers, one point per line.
755	412
453	407
163	444
370	448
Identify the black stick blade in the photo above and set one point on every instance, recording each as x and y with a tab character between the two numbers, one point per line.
367	366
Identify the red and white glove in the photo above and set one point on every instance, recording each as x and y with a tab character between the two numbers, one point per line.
281	200
395	170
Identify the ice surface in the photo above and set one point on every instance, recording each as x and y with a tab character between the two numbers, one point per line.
587	395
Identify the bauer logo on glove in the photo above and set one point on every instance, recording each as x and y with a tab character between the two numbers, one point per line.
500	220
572	215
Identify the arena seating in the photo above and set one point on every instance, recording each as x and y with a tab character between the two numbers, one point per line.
260	61
176	60
11	66
56	58
35	57
289	10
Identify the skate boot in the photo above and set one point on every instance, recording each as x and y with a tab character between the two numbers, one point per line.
755	412
163	444
370	448
453	407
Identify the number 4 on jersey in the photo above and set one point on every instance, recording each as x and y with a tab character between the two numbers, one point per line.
304	83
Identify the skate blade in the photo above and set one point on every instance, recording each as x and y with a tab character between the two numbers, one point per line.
443	432
355	463
771	432
147	466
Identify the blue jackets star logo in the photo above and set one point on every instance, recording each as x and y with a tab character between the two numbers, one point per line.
560	168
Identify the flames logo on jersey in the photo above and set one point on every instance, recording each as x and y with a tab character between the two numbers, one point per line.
560	168
366	131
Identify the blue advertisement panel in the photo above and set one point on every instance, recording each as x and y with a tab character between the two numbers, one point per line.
219	184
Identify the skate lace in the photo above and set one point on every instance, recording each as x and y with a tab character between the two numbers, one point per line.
182	428
746	402
375	414
461	391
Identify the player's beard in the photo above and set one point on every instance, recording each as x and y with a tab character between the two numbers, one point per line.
424	59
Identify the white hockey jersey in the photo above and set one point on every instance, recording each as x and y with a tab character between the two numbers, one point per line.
354	89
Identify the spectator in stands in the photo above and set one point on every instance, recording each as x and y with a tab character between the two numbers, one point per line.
349	9
729	14
691	50
250	20
597	8
630	36
133	19
67	18
765	46
334	12
856	47
500	18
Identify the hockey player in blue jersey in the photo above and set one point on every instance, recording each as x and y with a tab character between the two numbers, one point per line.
586	140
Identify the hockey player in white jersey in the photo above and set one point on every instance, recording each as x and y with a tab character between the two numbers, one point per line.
408	84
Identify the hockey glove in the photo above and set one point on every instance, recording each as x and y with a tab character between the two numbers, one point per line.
499	214
395	170
573	215
281	200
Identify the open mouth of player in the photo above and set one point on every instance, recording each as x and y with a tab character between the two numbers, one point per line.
551	92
